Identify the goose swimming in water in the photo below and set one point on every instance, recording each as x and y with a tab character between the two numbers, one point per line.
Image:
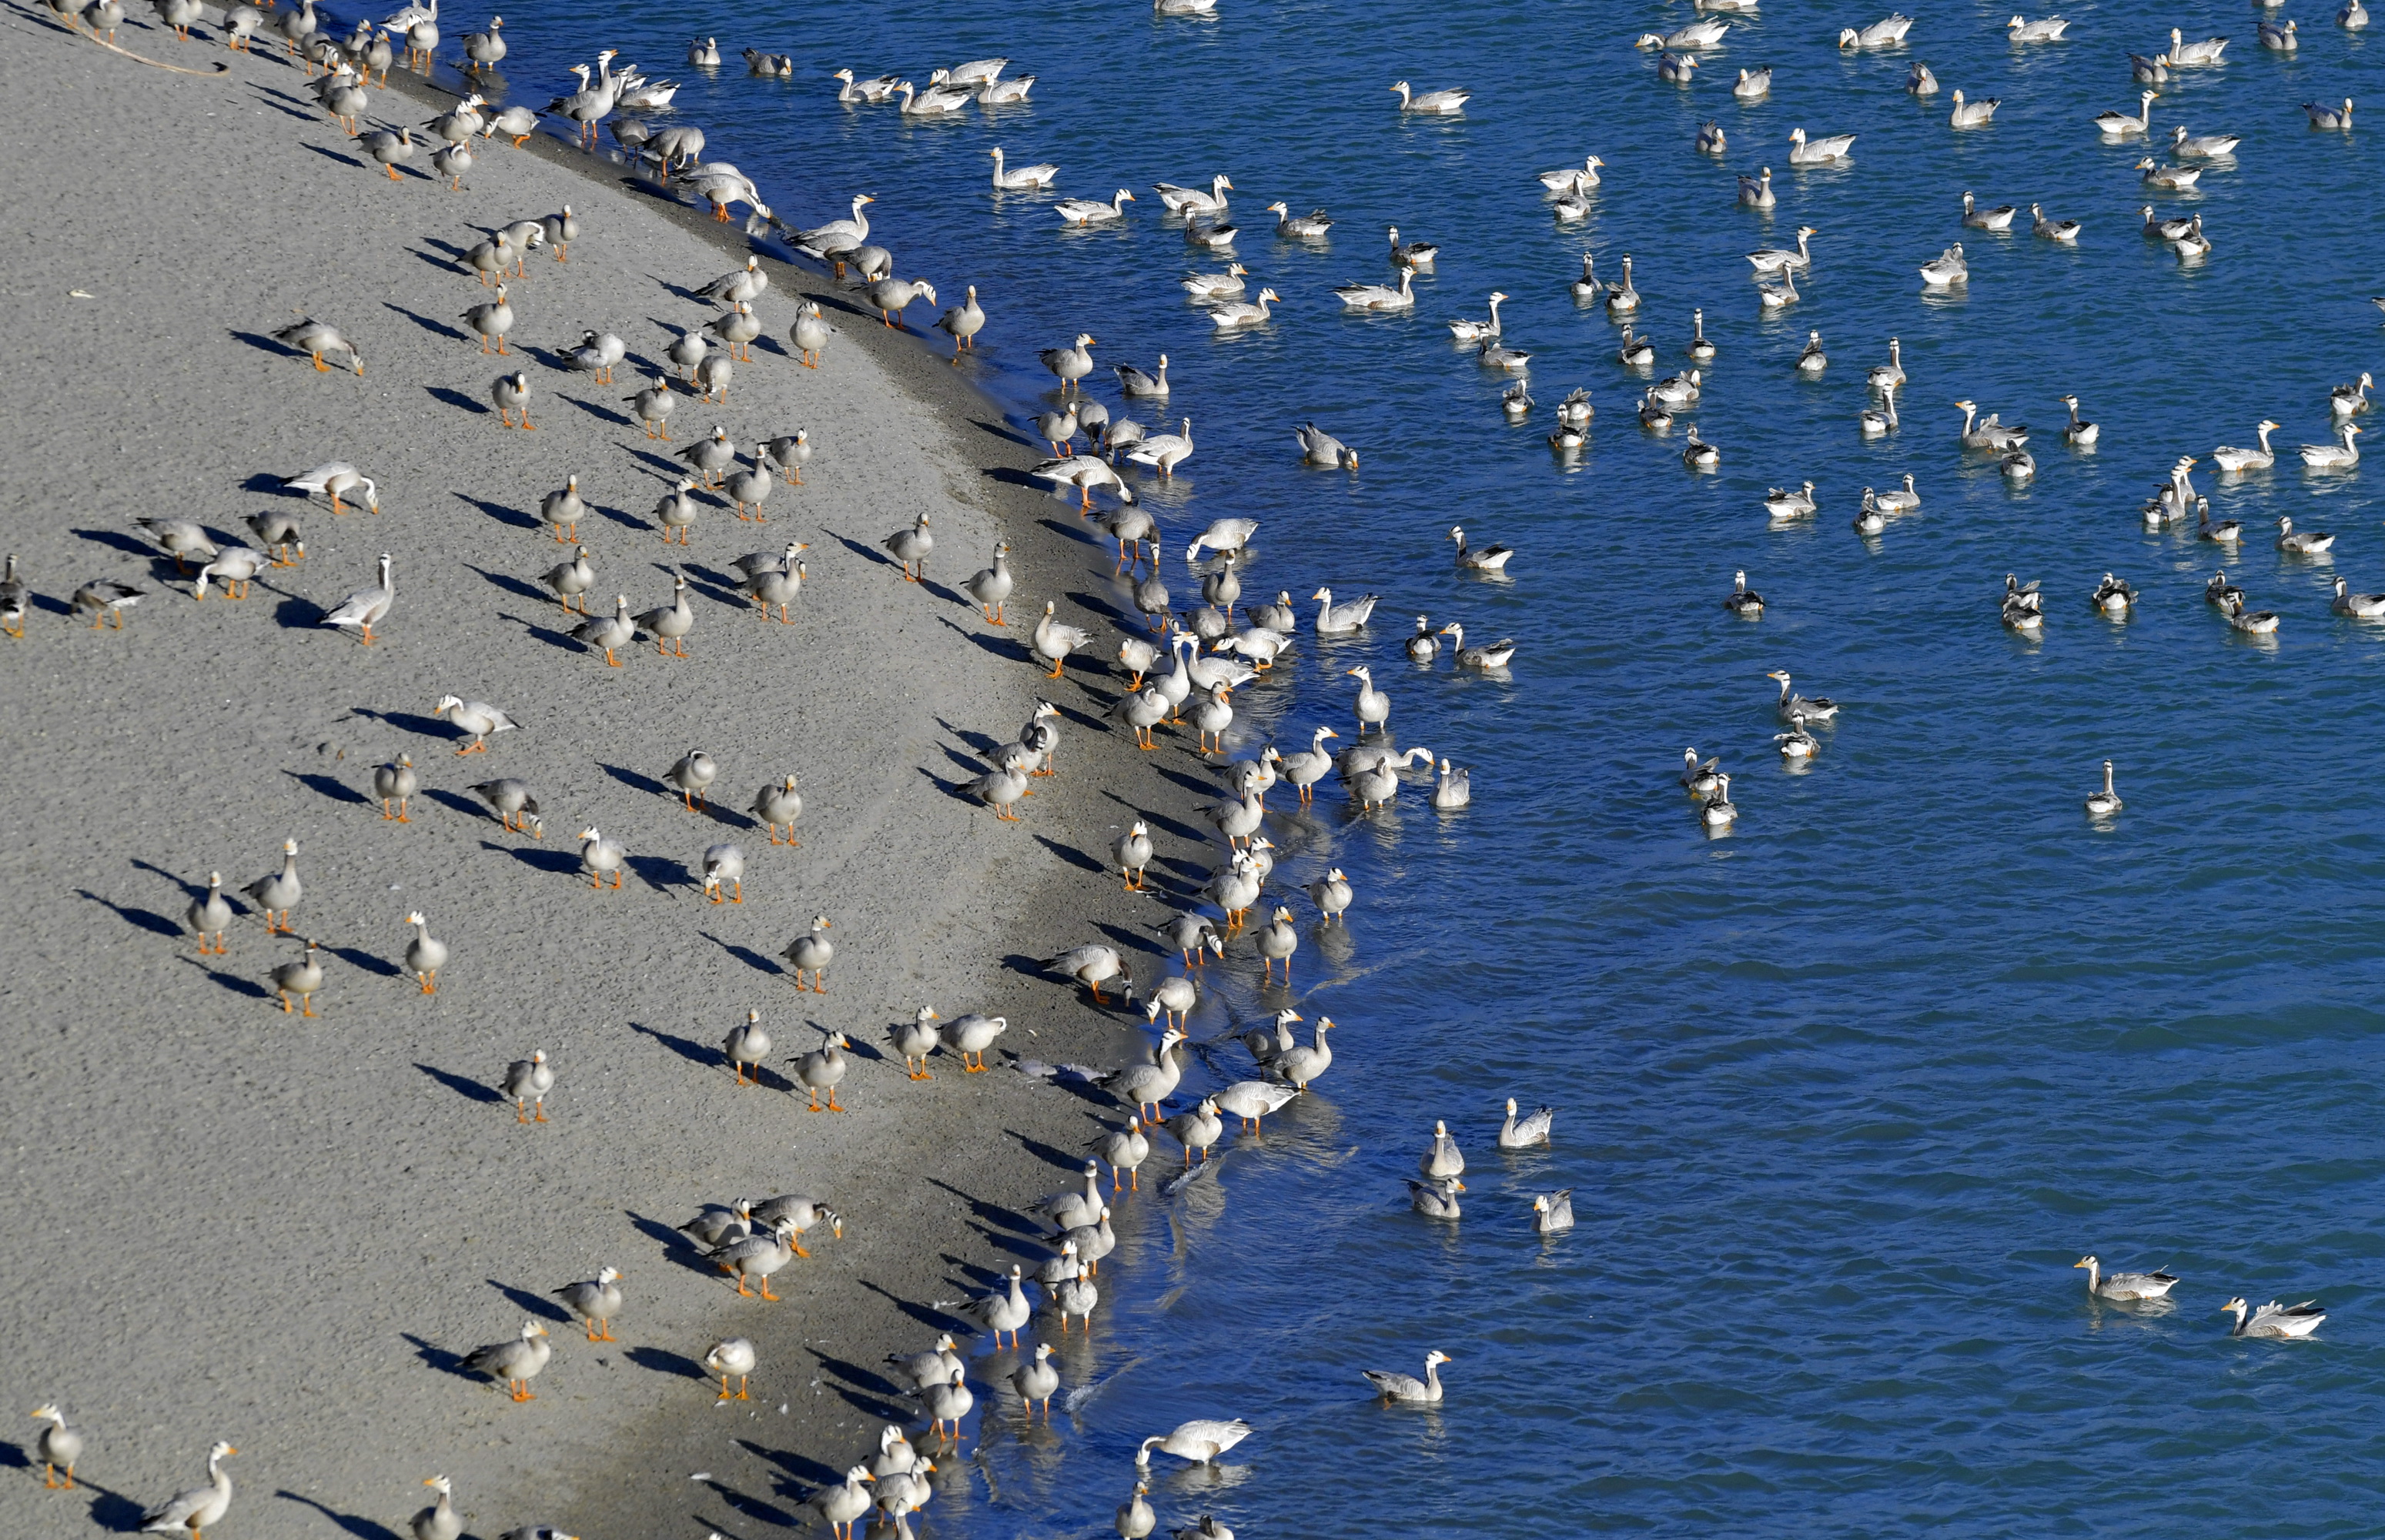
1440	102
1495	655
2226	533
1948	269
2169	179
1404	1388
2329	117
1756	192
2061	231
1742	600
1999	218
1080	212
1804	151
1775	260
1436	1200
1571	179
1476	331
1879	422
1021	179
2124	1286
1973	115
2301	544
2113	596
1888	376
2358	606
2344	401
1797	743
1887	32
1786	503
2274	1319
1819	708
2340	456
1699	778
1489	558
2119	125
1813	360
1719	810
1752	84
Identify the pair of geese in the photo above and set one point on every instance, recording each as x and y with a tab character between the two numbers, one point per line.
2272	1319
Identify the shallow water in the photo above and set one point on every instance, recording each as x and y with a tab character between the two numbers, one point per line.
1840	1097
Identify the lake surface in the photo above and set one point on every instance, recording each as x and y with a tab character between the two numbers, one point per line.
1840	1097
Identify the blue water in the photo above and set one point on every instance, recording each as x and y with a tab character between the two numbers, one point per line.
1841	1096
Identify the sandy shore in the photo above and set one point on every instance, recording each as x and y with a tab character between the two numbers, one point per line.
228	1222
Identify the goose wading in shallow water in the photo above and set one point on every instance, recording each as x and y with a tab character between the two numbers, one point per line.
1201	1440
1406	1388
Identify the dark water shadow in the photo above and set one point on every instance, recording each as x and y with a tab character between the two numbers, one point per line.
353	1523
470	1090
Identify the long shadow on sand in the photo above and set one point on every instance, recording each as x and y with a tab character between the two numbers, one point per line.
802	1467
437	328
676	1246
531	1302
926	1315
325	786
441	1359
459	399
470	1090
515	518
237	984
538	859
662	1361
746	955
355	1523
142	919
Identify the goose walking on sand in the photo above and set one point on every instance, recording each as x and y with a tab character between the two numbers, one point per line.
1055	639
1406	1388
669	623
189	1513
911	547
759	1256
821	1070
209	917
811	952
609	636
475	719
969	1035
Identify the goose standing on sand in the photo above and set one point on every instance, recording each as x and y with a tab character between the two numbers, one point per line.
823	1070
990	586
600	856
425	955
1406	1388
440	1521
595	1301
59	1448
670	624
526	1083
189	1513
1055	639
811	953
724	873
277	893
970	1035
516	1362
210	916
731	1356
962	323
360	611
1005	1311
747	1043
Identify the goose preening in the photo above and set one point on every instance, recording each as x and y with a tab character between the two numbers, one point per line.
2273	1320
1788	503
1946	269
191	1512
516	1362
2347	401
1797	743
2113	596
1439	102
731	1356
1987	433
1406	1388
1813	359
1887	32
2045	30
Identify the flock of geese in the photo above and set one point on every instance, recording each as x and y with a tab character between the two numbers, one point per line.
1212	655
